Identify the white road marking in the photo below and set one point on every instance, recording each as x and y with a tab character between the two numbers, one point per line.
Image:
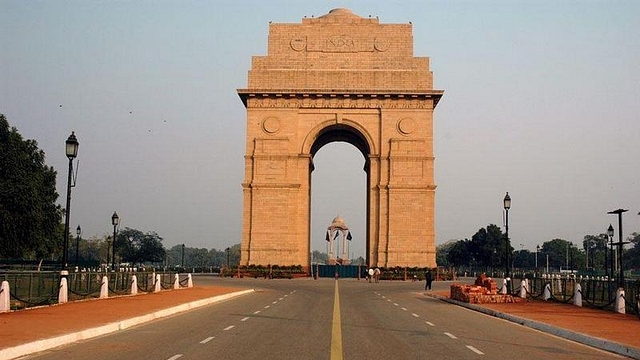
244	319
281	299
430	323
228	327
256	312
268	306
396	304
174	357
450	335
389	300
415	315
275	302
405	309
207	340
475	350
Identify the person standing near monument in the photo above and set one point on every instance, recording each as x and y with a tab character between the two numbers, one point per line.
429	278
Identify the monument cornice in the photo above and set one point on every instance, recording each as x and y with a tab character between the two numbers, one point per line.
299	94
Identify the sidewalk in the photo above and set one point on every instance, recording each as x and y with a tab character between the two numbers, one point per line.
613	332
32	330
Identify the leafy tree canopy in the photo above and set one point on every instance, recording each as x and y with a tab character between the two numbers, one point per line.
30	219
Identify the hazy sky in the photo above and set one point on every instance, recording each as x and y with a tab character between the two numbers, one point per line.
542	99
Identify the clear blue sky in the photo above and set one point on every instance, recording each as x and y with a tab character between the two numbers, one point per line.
542	99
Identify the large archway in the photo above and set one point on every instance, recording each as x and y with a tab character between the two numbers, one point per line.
339	77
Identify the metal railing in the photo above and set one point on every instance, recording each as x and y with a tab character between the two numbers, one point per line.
38	288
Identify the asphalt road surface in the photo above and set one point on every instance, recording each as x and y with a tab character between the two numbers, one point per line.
325	319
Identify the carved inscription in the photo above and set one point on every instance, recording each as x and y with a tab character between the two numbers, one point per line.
339	44
340	103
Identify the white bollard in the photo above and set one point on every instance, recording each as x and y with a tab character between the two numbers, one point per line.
63	294
176	282
5	297
158	284
503	291
620	304
577	295
104	287
190	282
524	288
546	295
134	285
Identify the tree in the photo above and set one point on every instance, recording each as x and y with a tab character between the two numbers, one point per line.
30	220
631	257
136	247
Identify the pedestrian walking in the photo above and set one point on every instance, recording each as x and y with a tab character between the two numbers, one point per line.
429	278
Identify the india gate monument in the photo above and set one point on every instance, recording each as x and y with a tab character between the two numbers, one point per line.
339	77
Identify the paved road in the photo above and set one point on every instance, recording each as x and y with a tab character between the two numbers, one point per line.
307	319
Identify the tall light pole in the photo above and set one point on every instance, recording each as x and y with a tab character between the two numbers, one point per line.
114	221
78	232
71	149
620	244
606	264
228	249
507	206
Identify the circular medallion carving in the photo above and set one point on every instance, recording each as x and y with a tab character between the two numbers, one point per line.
381	44
271	125
298	43
406	126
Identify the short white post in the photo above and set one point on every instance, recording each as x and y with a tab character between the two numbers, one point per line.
158	284
134	285
176	282
5	297
524	288
577	295
620	304
63	293
546	295
104	287
503	290
190	282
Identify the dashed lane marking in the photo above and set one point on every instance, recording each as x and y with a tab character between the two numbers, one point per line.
256	312
415	315
450	335
405	309
244	319
207	339
174	357
475	350
429	323
228	327
268	306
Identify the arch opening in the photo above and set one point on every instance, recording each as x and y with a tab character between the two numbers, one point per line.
339	174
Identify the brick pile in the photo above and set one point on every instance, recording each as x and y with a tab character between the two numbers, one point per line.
483	291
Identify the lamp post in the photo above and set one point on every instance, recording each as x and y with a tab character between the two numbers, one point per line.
507	206
606	264
620	243
227	250
78	232
71	149
114	221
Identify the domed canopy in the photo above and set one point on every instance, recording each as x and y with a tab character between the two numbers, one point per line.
338	223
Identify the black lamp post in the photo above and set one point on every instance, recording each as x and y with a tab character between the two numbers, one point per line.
606	264
620	243
507	206
78	232
114	221
182	256
228	264
71	149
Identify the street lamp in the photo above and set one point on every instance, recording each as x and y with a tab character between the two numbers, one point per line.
71	149
227	250
606	265
114	221
507	206
620	243
78	232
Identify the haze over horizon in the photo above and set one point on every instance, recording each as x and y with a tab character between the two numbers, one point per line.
541	100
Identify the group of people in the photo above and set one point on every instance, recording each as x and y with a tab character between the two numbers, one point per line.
373	274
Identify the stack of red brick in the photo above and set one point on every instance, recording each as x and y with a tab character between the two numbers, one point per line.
484	291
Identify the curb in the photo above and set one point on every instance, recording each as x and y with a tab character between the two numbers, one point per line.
592	341
45	344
